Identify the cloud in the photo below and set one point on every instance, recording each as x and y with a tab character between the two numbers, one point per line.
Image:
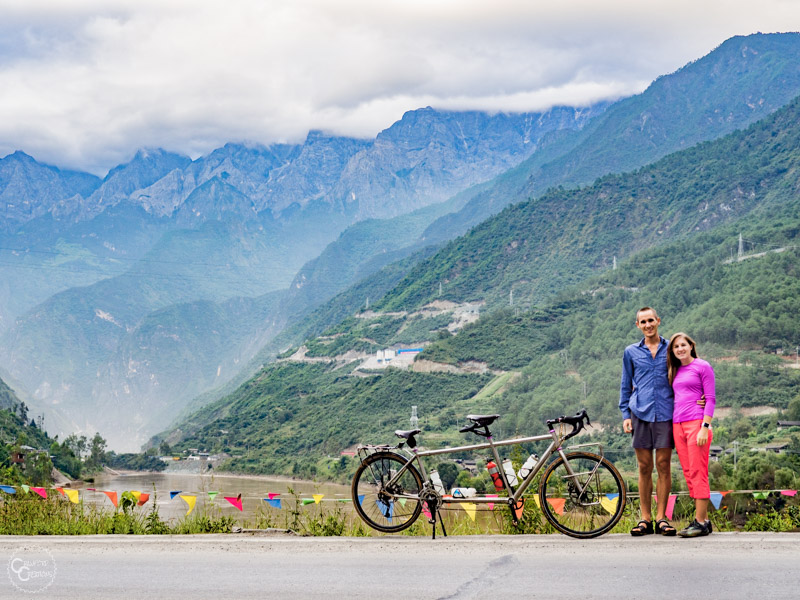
86	83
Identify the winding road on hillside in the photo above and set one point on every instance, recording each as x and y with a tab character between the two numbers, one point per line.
724	565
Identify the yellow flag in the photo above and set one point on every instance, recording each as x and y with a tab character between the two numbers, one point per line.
190	500
136	494
469	508
317	497
538	504
608	504
72	495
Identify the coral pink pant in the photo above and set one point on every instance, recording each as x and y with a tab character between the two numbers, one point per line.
694	458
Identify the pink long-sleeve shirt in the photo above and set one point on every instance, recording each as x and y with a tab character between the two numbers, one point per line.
690	383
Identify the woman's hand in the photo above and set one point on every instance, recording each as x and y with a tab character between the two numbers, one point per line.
702	401
702	436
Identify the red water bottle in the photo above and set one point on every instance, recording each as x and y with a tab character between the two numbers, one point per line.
495	475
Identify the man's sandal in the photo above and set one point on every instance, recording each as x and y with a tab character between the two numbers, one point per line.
642	528
664	528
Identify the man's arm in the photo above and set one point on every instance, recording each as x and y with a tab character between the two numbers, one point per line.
625	391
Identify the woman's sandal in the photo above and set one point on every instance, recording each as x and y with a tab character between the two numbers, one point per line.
642	528
664	528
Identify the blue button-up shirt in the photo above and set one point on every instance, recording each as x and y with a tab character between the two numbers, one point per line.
645	390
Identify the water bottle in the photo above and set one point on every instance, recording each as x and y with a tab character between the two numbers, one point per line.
528	465
511	476
461	492
495	475
437	483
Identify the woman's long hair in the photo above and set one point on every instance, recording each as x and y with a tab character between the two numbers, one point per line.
672	362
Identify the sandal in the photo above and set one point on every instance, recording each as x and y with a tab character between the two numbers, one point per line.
642	528
664	528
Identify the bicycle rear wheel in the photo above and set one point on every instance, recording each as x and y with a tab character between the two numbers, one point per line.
377	501
583	497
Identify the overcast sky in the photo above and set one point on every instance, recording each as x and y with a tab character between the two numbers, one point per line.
85	83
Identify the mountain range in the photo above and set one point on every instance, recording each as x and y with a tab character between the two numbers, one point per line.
125	297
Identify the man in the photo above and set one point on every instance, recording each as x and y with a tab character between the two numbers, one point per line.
646	402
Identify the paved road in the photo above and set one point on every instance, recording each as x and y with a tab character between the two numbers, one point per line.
724	565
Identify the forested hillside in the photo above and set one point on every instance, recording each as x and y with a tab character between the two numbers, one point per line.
673	227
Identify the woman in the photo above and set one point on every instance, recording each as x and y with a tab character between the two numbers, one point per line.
691	378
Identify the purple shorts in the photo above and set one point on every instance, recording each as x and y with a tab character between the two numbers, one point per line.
652	435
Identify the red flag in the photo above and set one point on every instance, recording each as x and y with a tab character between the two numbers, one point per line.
112	496
237	502
143	498
41	491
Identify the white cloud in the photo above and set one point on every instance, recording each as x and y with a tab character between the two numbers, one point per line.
85	83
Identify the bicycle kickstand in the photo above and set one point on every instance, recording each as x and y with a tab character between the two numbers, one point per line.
434	513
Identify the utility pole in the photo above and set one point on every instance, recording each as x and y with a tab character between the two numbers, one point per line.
735	448
741	248
511	297
614	268
440	289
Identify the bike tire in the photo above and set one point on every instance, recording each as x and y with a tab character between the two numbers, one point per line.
375	504
592	513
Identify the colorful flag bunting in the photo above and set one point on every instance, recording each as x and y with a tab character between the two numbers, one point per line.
317	497
60	491
190	500
760	495
72	495
275	502
25	488
470	509
491	504
41	491
136	494
789	492
273	496
213	495
113	497
609	504
670	505
237	502
360	499
386	508
143	498
716	499
173	494
8	489
557	504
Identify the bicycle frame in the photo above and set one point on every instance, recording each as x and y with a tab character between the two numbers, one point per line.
513	496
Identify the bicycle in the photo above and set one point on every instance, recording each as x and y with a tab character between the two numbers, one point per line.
581	493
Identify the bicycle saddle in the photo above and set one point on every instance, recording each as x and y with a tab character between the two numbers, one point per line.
483	420
407	434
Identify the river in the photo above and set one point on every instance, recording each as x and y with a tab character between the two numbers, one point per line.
253	491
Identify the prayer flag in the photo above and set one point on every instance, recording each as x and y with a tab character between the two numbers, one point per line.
273	496
41	491
519	508
491	504
190	500
760	495
725	493
402	501
143	498
609	503
317	498
469	508
173	494
426	512
538	503
25	488
670	505
72	495
136	494
8	489
716	499
113	497
360	499
213	495
276	502
61	491
386	508
557	504
237	501
789	492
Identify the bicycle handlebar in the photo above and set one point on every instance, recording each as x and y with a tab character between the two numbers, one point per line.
576	420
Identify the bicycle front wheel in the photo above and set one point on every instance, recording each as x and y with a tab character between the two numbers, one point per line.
582	497
381	499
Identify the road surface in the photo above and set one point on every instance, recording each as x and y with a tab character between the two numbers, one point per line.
723	565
